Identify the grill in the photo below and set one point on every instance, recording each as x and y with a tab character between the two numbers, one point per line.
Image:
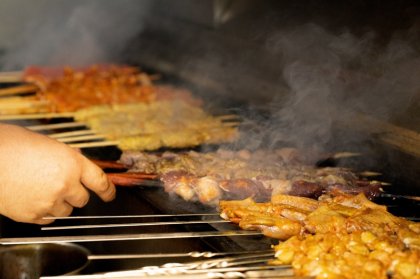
146	232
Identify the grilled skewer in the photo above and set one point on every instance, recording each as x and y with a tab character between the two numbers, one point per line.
19	89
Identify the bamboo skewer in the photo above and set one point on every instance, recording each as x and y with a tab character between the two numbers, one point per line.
55	126
20	89
71	134
346	154
37	116
11	77
81	138
228	117
94	144
231	124
369	173
27	104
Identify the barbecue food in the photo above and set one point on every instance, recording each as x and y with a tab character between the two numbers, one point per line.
68	89
349	255
342	236
209	177
165	123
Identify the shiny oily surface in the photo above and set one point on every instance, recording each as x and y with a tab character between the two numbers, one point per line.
36	260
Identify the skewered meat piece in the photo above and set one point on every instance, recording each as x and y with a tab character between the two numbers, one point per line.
142	126
340	236
69	89
342	214
349	256
241	174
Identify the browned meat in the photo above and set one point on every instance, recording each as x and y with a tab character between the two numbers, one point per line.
341	236
241	174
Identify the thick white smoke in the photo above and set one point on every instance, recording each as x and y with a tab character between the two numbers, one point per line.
57	32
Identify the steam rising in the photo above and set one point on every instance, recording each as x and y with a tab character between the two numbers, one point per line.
325	72
60	32
328	74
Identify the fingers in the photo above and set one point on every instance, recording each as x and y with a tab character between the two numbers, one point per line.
96	180
77	196
60	209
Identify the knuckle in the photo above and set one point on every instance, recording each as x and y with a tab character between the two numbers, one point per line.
81	201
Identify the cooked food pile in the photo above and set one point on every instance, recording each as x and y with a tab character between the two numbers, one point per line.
223	174
68	89
339	236
162	123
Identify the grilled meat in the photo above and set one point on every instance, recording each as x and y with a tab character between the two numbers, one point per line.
142	126
341	236
354	255
69	89
242	174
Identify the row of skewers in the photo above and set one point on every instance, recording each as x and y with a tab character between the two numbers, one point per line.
338	236
120	106
336	211
208	177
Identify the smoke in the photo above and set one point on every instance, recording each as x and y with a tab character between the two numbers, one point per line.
60	32
328	75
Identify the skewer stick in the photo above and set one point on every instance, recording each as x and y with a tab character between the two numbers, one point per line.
193	254
369	173
20	89
36	116
110	164
228	117
124	237
231	124
394	196
71	134
340	155
11	77
131	216
142	224
22	104
81	138
94	144
55	126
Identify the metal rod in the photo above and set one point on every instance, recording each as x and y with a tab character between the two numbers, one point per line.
130	216
100	226
387	195
230	261
177	269
193	254
122	237
273	273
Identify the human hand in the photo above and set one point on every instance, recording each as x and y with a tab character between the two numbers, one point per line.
41	177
